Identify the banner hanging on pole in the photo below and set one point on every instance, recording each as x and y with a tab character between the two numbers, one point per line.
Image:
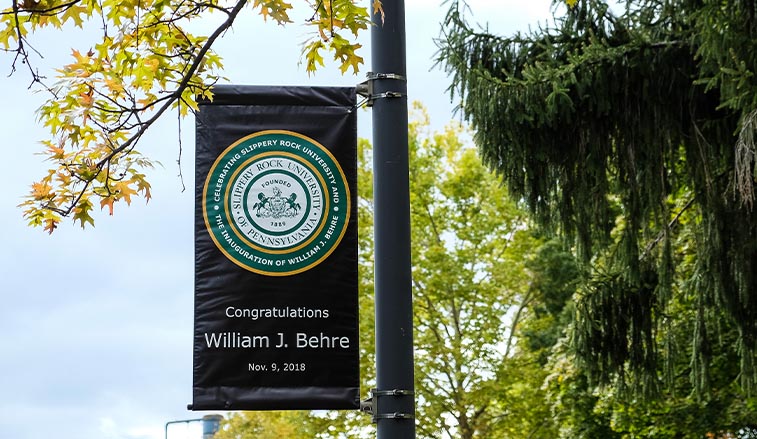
276	306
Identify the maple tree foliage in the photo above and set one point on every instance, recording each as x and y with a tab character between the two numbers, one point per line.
143	63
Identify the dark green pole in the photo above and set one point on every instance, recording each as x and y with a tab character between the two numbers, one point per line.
395	402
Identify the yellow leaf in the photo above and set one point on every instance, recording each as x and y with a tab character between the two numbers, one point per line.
74	13
152	64
353	61
115	86
124	190
81	213
312	56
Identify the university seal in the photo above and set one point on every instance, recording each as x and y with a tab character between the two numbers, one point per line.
276	203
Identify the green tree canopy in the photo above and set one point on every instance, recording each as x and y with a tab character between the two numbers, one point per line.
470	245
470	250
267	425
616	125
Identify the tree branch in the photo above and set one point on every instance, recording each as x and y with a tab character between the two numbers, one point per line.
662	233
168	101
516	319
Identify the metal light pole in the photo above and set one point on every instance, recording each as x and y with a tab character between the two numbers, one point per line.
394	396
210	425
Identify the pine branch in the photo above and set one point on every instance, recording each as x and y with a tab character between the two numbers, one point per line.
674	222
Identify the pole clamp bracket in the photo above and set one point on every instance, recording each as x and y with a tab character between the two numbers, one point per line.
395	415
373	76
370	404
365	88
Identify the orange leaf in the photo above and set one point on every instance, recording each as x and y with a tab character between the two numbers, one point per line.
81	59
108	201
378	7
86	98
41	190
114	86
50	225
56	152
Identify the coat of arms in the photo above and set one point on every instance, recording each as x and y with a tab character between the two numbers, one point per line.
276	206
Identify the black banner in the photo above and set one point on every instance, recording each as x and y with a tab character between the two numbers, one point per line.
276	310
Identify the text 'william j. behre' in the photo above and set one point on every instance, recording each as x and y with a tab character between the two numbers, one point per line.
299	340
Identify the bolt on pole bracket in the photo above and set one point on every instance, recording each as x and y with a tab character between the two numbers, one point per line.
370	404
365	88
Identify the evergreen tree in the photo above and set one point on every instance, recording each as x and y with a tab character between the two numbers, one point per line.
615	125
